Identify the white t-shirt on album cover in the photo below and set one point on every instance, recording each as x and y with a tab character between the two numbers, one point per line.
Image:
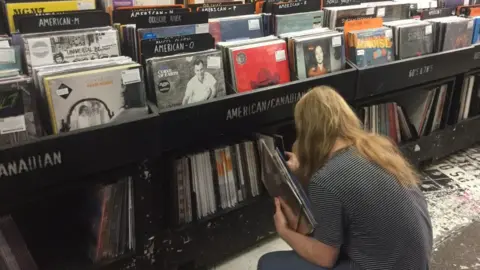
200	91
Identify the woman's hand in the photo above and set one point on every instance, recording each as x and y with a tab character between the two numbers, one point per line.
292	162
281	223
292	218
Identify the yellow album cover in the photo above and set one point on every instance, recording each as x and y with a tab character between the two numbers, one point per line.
45	7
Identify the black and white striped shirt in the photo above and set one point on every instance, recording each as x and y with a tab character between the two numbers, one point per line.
376	222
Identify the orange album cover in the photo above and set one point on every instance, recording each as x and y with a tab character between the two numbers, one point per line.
460	9
259	7
474	11
354	25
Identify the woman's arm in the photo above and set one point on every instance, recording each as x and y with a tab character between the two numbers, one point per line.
308	248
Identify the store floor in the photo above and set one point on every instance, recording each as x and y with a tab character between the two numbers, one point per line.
452	189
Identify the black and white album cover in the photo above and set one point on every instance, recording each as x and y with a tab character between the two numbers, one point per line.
99	96
18	111
186	79
71	47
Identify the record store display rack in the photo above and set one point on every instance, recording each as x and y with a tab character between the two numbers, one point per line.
128	129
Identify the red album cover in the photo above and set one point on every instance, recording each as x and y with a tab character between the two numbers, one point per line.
260	66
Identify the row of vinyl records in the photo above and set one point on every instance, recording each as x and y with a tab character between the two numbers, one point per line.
111	219
220	178
406	119
84	94
78	80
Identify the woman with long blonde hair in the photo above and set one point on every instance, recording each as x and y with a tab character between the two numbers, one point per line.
369	211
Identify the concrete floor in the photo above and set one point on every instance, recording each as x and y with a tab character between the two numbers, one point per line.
452	189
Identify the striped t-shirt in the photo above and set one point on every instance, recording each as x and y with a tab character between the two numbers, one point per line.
363	210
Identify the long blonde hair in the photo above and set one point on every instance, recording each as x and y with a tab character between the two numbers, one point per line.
321	117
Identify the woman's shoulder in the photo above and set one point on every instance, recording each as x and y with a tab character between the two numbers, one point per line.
343	165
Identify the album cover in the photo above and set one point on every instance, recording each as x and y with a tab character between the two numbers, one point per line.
239	27
20	8
170	31
259	65
18	113
458	34
337	16
319	55
298	22
371	47
187	78
415	40
99	96
69	47
390	11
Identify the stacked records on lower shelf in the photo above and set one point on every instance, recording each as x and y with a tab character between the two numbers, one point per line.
469	98
405	120
211	180
387	119
113	224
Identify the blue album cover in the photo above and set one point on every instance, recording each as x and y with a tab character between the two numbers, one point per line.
476	30
237	28
373	47
170	31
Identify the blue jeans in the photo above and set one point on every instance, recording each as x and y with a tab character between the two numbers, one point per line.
289	260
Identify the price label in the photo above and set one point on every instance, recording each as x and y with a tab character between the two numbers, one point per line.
280	55
370	11
389	33
214	62
7	56
131	76
62	91
12	124
428	30
360	52
4	44
381	12
253	24
85	5
336	41
201	28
